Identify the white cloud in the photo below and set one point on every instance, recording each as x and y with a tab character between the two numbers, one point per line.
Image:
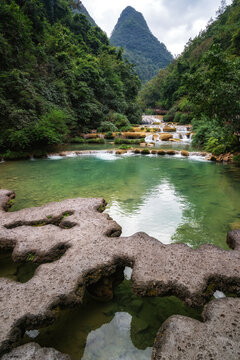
173	22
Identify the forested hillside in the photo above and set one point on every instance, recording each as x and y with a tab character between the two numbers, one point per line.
58	75
203	84
79	8
140	46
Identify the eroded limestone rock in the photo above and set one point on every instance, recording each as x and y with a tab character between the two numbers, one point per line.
166	137
217	338
78	245
33	351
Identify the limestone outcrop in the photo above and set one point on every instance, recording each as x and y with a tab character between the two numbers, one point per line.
33	351
217	338
76	245
165	137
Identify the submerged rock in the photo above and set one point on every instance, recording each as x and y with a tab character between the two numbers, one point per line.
136	305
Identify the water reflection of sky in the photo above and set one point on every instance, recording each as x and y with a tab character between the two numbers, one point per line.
158	214
113	341
187	201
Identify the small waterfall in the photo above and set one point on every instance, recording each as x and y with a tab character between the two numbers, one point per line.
176	135
149	139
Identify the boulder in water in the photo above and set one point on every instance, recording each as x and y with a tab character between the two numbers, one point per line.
145	152
169	129
165	137
170	152
137	151
161	152
184	153
120	152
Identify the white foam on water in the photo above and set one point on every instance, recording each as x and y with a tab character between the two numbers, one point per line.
149	138
128	154
107	156
54	157
71	155
179	155
197	158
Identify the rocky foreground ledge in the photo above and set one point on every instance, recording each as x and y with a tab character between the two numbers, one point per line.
78	246
217	338
33	351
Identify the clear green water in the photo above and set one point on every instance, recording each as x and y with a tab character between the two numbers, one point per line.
172	199
124	328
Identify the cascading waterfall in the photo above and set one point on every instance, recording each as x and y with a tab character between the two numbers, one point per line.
182	134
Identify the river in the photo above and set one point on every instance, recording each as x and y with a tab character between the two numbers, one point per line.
173	199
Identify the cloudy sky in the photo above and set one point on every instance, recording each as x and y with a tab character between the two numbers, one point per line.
173	22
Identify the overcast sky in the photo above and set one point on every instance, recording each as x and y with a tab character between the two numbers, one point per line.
173	22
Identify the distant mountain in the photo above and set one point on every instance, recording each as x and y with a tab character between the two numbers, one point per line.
140	45
79	8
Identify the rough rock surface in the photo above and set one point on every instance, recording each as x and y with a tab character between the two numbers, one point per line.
166	137
33	351
80	245
217	338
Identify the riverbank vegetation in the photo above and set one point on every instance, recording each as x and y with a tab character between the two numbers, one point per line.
59	76
202	84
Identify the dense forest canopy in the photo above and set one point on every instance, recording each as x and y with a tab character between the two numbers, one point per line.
140	46
203	83
58	75
79	8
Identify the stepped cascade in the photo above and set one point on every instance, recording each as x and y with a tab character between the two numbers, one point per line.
167	132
